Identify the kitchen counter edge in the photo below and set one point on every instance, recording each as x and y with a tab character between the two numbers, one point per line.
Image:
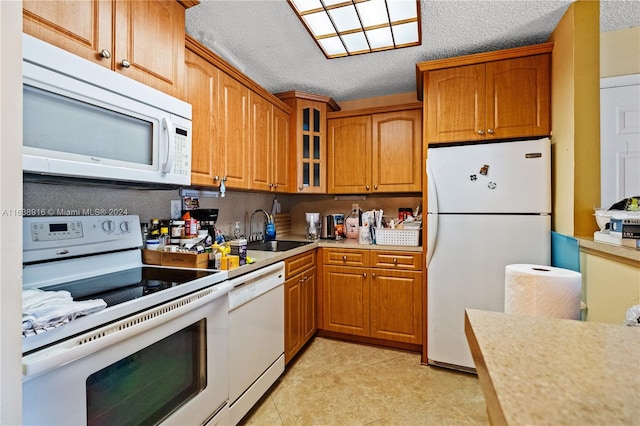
266	258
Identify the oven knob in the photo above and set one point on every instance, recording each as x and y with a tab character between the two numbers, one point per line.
108	226
124	227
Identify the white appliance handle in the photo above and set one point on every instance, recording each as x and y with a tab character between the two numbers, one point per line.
432	213
69	351
171	149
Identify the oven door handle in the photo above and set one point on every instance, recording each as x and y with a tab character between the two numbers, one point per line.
73	349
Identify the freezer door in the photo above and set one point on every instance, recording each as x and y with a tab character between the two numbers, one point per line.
466	270
504	177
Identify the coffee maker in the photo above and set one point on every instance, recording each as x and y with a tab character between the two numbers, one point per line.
207	219
332	226
313	225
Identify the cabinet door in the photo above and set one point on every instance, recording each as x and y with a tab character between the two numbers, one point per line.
292	317
81	27
261	148
149	35
349	162
280	155
396	305
518	97
201	91
346	300
308	296
232	139
455	103
397	151
310	146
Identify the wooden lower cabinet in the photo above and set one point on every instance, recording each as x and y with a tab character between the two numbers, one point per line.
396	305
299	302
346	299
379	297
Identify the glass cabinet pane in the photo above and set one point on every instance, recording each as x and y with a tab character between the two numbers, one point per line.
316	120
305	146
316	174
305	120
316	147
305	174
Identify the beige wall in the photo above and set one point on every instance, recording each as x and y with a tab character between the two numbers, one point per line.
620	52
576	119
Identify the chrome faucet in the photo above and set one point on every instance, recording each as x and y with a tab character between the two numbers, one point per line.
259	235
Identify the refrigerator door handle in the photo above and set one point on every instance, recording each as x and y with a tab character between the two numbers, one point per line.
432	213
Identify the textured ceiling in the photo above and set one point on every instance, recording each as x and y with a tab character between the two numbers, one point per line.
266	41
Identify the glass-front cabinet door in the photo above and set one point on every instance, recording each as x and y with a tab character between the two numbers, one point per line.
308	139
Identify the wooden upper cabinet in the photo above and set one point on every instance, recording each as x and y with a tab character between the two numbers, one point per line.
396	164
308	140
81	27
488	96
519	97
240	131
233	135
349	155
201	91
281	157
379	152
143	40
269	146
149	43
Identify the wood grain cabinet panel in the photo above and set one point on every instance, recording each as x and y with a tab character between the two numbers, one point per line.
501	99
233	133
269	146
396	305
299	302
307	171
346	300
375	153
201	91
371	293
143	40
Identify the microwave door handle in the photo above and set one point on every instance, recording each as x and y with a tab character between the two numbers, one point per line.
168	126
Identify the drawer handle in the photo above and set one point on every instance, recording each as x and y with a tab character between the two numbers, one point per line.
344	258
364	274
373	275
395	261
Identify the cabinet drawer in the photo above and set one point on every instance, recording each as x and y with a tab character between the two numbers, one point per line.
396	260
299	263
345	257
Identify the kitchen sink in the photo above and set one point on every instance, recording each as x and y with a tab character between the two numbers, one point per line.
278	245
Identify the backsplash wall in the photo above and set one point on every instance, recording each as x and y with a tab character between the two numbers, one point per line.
235	206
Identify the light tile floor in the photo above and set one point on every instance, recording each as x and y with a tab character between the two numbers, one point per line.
339	383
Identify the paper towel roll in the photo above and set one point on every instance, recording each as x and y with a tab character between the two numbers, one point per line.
542	291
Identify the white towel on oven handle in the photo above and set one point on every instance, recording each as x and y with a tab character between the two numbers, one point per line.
42	309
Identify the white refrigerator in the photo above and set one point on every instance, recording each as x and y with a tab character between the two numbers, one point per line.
489	205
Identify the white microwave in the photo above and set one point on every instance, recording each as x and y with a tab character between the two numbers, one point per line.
81	120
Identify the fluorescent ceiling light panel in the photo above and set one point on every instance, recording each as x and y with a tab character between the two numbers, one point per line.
352	27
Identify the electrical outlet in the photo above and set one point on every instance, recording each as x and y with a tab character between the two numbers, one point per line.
355	207
176	209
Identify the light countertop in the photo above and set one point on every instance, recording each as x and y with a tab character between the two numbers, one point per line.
265	258
546	371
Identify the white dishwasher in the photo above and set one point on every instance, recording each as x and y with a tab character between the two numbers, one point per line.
256	337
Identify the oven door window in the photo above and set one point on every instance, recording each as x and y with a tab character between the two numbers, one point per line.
147	386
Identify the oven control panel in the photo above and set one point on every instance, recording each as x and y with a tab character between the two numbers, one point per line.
50	231
52	237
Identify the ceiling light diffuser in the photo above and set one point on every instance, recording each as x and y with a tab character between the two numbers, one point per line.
353	27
